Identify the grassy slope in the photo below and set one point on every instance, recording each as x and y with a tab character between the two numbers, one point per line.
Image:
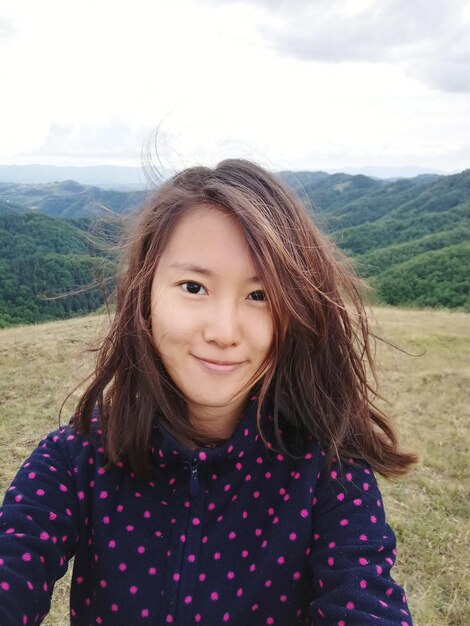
429	510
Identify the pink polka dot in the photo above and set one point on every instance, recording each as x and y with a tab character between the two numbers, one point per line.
188	600
292	536
5	586
350	605
144	613
214	596
226	617
26	556
344	522
133	590
363	584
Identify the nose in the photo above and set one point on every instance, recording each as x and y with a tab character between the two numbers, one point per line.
221	325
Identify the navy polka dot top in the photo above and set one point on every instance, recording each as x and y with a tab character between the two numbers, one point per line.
238	534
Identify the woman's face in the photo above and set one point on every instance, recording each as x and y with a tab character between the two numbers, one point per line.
210	321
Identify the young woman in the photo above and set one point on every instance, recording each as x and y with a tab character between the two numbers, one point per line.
219	467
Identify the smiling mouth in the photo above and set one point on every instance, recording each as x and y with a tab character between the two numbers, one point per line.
216	366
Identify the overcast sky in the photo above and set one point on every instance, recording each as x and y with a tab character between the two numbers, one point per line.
294	84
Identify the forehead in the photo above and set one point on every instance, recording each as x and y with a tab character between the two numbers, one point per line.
208	236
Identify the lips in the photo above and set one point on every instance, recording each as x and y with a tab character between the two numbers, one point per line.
219	367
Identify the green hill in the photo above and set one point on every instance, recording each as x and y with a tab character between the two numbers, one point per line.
51	268
409	237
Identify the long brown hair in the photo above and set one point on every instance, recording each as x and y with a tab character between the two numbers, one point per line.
320	378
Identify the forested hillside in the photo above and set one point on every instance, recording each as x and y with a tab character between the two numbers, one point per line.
410	239
51	268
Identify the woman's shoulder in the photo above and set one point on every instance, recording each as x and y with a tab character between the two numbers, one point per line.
72	442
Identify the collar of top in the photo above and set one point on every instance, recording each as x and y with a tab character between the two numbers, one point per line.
242	443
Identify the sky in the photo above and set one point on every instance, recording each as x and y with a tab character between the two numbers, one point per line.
334	85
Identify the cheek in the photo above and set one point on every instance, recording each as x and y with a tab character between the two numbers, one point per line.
262	336
170	327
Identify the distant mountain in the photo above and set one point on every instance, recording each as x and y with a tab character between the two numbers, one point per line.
107	176
130	178
70	199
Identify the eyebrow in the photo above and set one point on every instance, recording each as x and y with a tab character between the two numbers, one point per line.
198	269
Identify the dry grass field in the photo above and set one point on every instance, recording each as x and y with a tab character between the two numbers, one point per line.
427	390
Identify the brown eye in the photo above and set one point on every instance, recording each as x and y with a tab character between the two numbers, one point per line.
193	288
259	296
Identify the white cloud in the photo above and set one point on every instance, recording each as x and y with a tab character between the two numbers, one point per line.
7	29
431	40
114	140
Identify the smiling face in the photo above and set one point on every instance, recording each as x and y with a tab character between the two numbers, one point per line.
211	323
